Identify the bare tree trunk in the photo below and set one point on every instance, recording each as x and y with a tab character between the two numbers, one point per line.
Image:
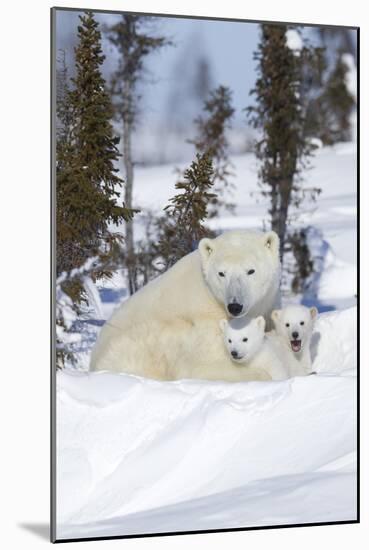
274	212
285	199
128	166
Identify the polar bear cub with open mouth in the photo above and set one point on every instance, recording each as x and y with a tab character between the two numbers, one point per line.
294	326
247	345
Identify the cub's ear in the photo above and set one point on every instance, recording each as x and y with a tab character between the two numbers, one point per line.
223	324
271	241
260	321
206	248
313	312
275	315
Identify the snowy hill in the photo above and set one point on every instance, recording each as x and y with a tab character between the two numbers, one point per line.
141	456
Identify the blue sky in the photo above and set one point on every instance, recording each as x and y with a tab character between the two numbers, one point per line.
228	46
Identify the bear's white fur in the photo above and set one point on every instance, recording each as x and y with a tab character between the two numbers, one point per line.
294	326
248	346
170	328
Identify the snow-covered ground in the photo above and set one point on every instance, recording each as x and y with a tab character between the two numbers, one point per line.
140	456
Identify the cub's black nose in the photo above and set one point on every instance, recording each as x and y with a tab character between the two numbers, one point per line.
234	308
234	354
295	335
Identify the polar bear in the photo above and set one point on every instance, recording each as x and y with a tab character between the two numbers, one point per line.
248	346
170	329
294	326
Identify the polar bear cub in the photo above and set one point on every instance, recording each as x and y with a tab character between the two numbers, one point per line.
294	326
247	345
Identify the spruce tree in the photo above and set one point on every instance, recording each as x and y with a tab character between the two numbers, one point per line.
87	181
63	109
133	43
283	148
338	39
329	111
211	139
338	102
303	261
183	225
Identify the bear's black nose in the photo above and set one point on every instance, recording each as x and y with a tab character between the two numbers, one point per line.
234	354
295	335
234	308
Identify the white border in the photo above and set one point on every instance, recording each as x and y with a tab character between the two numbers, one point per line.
25	234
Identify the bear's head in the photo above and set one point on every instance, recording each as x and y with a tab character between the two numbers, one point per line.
243	338
294	324
240	268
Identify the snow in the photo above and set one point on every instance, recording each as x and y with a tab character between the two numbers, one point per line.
93	297
351	76
316	142
294	40
351	85
141	456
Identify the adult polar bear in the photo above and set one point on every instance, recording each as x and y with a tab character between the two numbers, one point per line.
170	328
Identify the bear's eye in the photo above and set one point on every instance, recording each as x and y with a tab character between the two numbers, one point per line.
287	324
229	340
244	339
250	271
221	274
302	323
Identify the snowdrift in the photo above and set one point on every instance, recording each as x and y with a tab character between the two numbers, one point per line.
141	456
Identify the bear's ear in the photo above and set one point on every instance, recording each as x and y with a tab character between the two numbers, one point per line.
206	248
223	324
271	241
275	315
260	321
313	312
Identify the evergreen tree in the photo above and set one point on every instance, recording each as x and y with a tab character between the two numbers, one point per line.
338	102
338	39
211	139
183	225
202	79
87	181
278	114
329	112
63	110
134	44
303	262
191	81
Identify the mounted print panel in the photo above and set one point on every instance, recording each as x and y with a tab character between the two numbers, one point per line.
204	372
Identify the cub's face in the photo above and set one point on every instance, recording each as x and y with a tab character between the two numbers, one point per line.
239	268
294	324
243	339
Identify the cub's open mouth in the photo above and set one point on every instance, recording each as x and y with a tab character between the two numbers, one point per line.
296	345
